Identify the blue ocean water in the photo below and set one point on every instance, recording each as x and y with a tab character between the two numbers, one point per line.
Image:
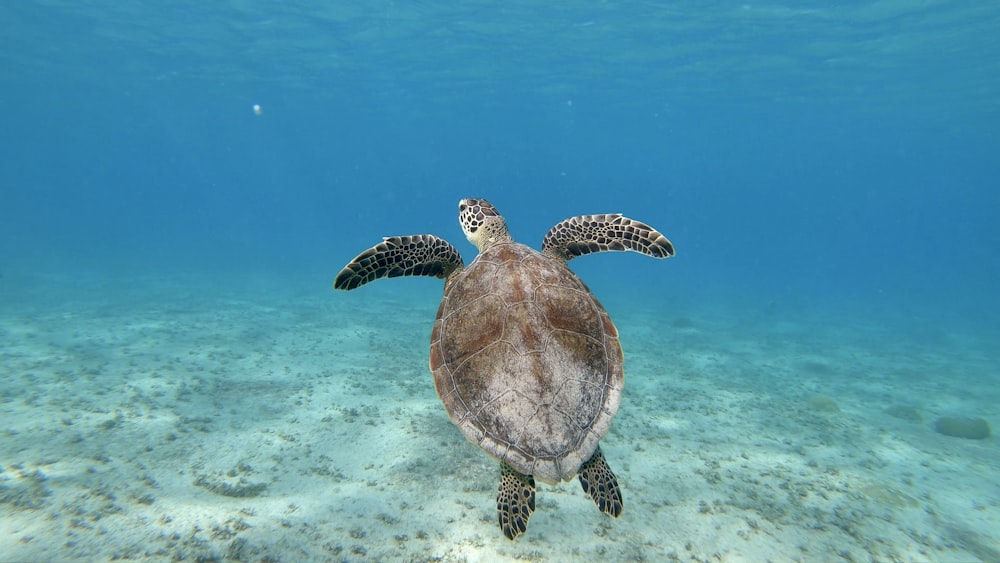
844	151
840	159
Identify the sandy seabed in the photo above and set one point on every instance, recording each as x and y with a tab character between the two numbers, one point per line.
241	419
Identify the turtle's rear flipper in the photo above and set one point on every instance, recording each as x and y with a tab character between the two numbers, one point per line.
599	482
515	501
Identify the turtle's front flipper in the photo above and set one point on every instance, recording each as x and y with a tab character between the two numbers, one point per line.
599	482
515	501
586	234
414	255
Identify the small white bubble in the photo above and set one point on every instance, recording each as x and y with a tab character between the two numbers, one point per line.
257	110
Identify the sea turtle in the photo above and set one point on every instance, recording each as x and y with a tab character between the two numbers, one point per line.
527	362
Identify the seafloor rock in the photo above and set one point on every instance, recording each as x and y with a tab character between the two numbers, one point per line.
960	427
241	488
682	322
902	412
822	403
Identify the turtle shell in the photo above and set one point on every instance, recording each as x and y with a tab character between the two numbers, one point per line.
527	362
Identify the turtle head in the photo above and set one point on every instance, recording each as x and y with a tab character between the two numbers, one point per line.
482	223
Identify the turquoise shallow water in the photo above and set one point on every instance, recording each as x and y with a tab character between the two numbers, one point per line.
180	381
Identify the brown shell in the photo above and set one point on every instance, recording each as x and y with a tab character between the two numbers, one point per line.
527	362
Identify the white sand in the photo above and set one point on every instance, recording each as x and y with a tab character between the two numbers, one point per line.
277	420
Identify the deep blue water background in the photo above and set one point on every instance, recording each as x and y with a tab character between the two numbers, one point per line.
843	157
